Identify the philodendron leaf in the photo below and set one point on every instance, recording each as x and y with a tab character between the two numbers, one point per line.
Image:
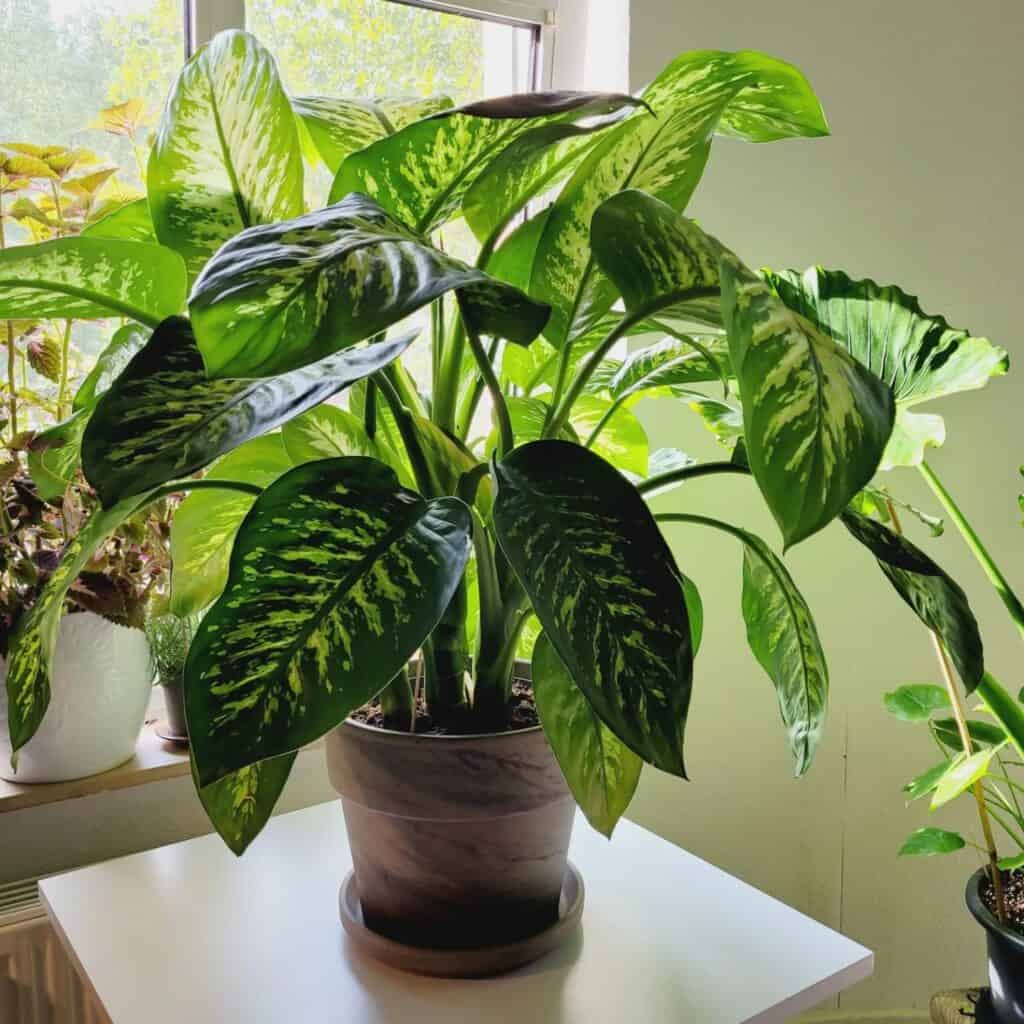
927	842
338	575
281	296
240	804
602	772
226	154
91	278
925	783
163	418
121	349
963	773
921	356
338	127
54	456
205	523
815	421
33	642
782	636
916	703
605	587
747	94
130	221
937	600
983	734
421	174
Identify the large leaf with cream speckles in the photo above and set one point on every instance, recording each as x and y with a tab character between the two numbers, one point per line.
601	770
34	640
605	587
336	127
936	598
163	418
815	421
91	278
284	295
240	804
226	154
919	355
421	174
746	94
338	575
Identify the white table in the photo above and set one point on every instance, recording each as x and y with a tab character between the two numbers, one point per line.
187	933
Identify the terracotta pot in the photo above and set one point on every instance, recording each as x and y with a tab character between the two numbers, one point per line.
100	686
458	842
1005	957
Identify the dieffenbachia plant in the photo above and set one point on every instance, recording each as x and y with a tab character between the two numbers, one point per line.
330	542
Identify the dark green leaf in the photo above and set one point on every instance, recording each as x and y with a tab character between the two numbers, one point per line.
815	421
605	587
936	599
1002	707
982	734
91	278
163	418
337	577
226	154
926	842
921	356
240	804
925	783
281	296
915	703
602	772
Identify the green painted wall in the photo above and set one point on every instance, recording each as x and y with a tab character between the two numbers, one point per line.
919	184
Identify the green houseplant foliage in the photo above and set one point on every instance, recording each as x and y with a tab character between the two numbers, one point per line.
363	534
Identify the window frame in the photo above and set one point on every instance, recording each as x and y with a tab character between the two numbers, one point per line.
205	18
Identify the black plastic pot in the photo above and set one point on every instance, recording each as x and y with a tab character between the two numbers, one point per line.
1005	957
174	705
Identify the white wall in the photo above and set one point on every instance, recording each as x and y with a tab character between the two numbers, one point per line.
919	184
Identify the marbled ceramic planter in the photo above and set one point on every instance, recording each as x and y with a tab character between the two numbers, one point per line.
100	683
458	842
1005	957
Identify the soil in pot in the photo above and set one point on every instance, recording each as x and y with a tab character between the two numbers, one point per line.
1013	890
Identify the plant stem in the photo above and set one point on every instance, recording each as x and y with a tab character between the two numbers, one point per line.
977	548
177	486
62	388
12	382
397	701
407	430
446	395
673	476
506	439
370	409
960	716
468	406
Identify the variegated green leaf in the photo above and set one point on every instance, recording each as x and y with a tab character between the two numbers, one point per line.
815	421
421	174
281	296
937	600
528	167
326	432
919	355
54	456
669	367
337	576
120	350
226	154
747	94
163	418
782	636
605	587
662	461
32	644
964	771
130	221
91	278
240	804
601	770
338	127
206	522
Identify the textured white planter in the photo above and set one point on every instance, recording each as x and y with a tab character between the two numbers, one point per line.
100	689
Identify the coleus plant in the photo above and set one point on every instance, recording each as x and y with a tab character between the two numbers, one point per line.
332	550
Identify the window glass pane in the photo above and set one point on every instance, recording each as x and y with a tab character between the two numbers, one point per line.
381	48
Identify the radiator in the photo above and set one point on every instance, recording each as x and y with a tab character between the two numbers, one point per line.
38	983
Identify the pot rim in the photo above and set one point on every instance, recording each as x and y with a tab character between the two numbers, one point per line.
394	736
985	917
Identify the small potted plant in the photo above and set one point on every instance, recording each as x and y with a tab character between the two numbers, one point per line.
170	636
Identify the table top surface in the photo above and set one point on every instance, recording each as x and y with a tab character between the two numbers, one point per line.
189	933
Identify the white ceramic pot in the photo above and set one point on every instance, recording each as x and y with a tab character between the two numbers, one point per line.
100	689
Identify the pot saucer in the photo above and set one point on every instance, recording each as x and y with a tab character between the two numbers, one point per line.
463	963
164	731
